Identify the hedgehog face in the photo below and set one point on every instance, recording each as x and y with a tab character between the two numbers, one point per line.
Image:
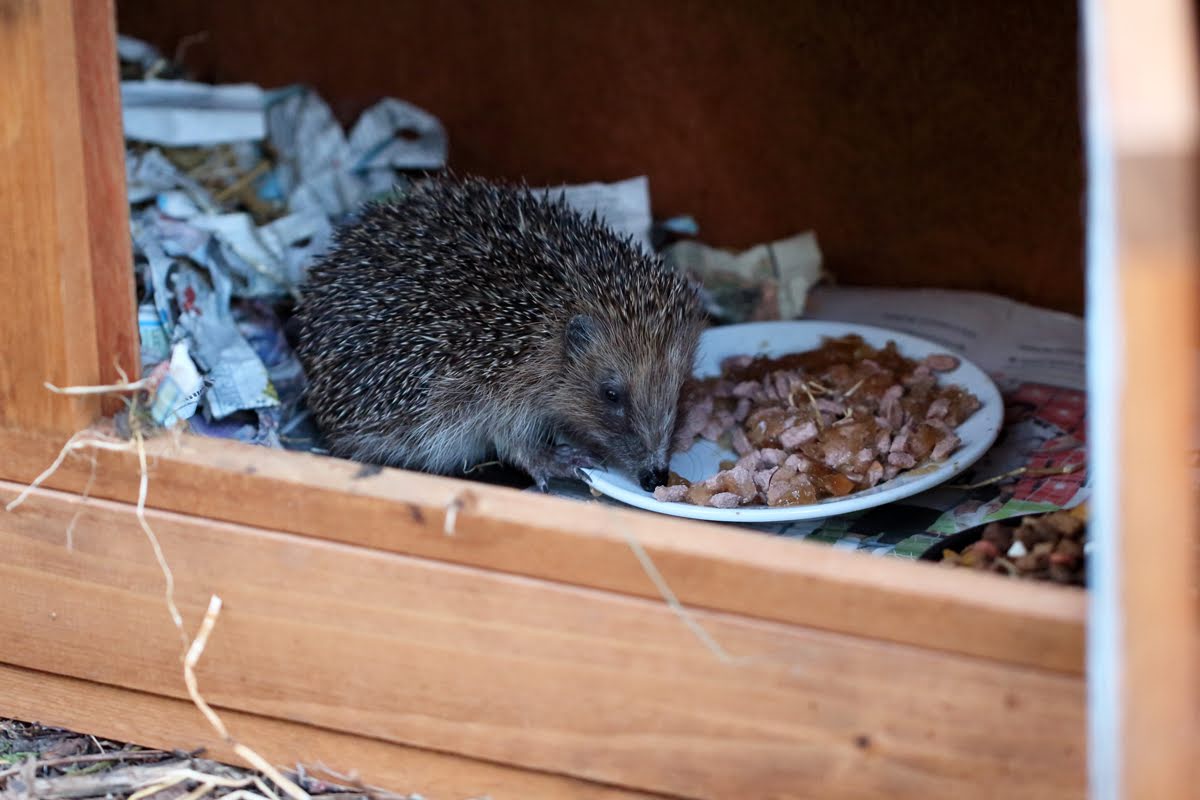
623	393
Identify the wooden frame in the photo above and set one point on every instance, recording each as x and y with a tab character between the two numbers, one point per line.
523	650
1144	627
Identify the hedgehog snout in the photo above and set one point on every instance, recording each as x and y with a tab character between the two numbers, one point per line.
651	479
631	454
653	472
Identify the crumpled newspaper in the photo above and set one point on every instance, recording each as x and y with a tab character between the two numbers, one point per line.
233	192
624	206
326	171
178	392
186	114
769	281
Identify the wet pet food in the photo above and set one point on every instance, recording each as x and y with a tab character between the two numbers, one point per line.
821	423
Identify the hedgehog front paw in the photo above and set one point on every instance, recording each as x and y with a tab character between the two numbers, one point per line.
560	461
571	459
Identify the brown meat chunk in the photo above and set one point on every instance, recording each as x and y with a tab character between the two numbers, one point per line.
941	362
762	479
790	488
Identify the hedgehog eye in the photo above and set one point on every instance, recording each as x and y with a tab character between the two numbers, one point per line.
612	396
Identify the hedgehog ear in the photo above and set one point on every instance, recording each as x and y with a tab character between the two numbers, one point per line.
580	333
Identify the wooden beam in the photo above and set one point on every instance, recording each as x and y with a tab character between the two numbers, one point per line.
171	724
1144	259
709	566
110	248
47	301
527	672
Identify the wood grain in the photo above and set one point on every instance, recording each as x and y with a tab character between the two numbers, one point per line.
1145	656
110	247
47	321
168	723
1159	544
527	672
939	145
709	566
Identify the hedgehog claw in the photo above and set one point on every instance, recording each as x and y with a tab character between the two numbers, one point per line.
573	459
561	461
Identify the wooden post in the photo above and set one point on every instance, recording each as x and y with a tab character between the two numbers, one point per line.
110	249
1144	633
64	255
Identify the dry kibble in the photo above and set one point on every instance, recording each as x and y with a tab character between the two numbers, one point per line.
1060	573
1033	533
984	549
1027	563
999	535
1067	525
1070	548
1049	547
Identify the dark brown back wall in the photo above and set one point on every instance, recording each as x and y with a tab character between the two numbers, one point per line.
937	143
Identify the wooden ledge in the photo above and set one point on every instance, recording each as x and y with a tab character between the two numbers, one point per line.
707	566
171	724
535	674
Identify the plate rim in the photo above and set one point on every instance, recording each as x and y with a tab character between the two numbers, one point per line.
831	507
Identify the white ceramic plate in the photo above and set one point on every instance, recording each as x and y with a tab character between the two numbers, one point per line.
780	338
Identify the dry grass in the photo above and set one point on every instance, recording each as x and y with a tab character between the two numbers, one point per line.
49	764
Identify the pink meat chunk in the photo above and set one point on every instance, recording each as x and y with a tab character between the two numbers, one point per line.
741	444
798	462
834	407
738	481
750	389
762	479
725	500
751	461
773	457
796	436
671	494
945	447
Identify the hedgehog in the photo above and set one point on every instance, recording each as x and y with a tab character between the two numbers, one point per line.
471	320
